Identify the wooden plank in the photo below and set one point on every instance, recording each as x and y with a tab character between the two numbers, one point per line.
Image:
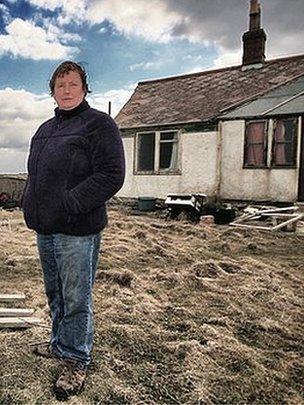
10	312
243	218
292	208
290	221
11	297
264	228
278	215
252	216
19	322
270	228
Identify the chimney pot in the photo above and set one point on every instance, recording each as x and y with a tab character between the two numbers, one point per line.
254	39
254	7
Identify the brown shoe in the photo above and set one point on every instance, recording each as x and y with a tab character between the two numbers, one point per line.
71	380
44	350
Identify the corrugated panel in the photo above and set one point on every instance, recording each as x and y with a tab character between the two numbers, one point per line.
272	100
295	106
254	108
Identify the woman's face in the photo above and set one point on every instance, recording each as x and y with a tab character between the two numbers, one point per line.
68	90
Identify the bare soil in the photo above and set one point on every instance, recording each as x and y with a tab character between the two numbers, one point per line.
184	314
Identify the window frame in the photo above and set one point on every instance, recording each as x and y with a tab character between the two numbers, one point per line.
265	149
295	142
136	152
158	141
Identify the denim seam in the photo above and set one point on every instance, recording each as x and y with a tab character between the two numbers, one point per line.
90	293
58	350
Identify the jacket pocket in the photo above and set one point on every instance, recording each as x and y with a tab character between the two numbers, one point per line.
79	165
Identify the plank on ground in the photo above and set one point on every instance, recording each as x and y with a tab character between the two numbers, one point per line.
12	322
11	297
10	312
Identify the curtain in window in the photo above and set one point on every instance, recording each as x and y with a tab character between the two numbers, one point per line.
284	151
279	139
168	151
255	137
173	163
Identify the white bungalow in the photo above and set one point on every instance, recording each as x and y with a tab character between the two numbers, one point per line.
232	133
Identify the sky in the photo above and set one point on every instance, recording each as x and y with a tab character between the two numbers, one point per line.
120	42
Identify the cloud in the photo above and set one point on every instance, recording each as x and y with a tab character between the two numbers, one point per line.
146	66
209	22
193	58
117	97
13	160
132	18
22	112
26	40
103	30
51	5
73	11
4	10
55	33
227	59
222	23
70	11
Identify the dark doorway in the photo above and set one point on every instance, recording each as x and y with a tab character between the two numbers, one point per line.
301	172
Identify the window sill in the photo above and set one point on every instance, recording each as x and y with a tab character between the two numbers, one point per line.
269	167
256	167
284	167
160	173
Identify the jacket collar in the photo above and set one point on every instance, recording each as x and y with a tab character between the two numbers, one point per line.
64	114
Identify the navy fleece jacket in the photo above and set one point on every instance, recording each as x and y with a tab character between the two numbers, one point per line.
76	163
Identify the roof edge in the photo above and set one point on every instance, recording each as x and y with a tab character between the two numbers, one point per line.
211	71
162	124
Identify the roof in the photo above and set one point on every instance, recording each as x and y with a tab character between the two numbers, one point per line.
201	97
284	100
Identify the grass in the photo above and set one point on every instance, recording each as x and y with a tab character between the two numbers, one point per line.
184	314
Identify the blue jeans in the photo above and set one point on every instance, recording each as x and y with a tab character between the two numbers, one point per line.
69	266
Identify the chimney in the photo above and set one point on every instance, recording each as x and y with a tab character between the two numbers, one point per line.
254	39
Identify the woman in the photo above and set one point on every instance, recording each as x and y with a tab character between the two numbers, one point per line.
76	163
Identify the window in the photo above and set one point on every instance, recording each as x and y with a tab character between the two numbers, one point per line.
255	154
284	142
168	151
271	143
157	152
146	152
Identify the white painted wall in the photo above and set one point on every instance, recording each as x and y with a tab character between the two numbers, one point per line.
251	184
198	154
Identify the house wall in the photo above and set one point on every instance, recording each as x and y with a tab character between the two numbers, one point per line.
251	184
12	186
198	157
